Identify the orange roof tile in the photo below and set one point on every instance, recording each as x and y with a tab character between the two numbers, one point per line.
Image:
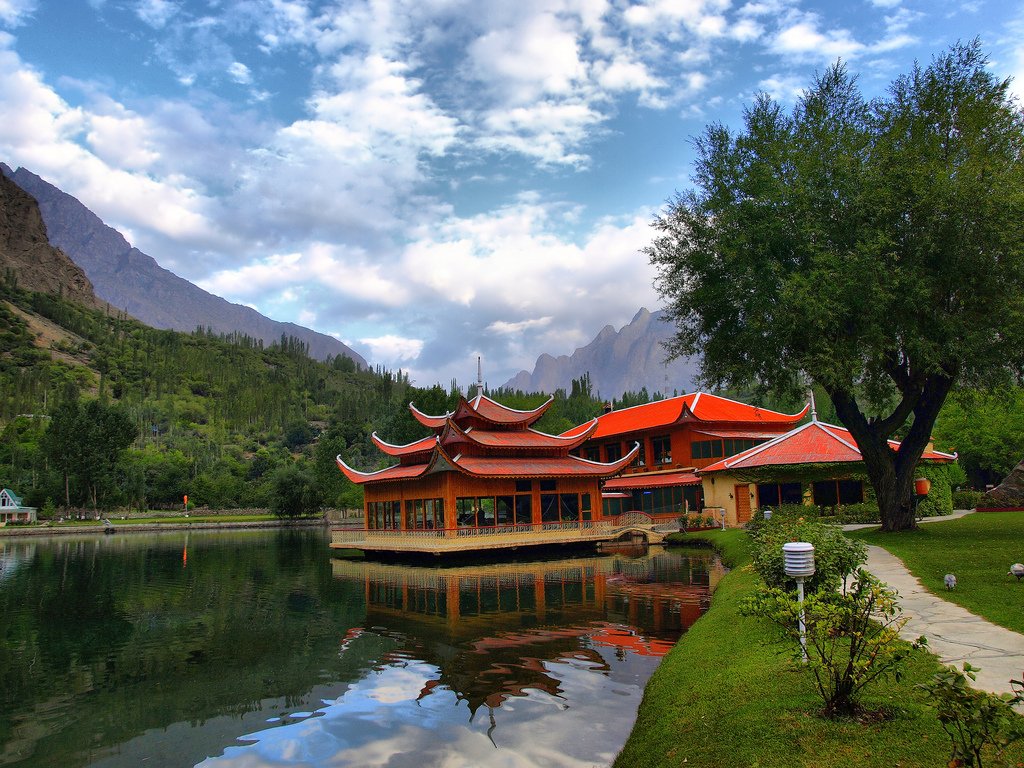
492	466
525	439
424	445
811	443
629	482
696	407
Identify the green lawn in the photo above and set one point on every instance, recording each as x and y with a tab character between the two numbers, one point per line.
978	549
729	694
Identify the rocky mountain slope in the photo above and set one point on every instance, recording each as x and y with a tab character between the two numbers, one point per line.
26	253
617	361
130	280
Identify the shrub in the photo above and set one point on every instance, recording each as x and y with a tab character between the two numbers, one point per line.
968	499
835	555
852	636
973	719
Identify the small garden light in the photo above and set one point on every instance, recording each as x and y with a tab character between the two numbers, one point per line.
798	561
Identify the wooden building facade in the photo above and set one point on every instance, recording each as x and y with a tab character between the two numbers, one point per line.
675	438
485	471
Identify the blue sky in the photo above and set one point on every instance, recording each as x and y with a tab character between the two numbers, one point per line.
427	180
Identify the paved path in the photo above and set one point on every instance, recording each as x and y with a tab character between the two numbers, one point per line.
954	634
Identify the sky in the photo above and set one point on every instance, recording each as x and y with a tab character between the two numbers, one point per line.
425	180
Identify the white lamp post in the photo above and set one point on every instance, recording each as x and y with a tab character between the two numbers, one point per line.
798	560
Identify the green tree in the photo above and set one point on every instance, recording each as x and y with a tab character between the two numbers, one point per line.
294	492
87	443
874	248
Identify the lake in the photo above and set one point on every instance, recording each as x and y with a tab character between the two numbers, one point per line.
257	648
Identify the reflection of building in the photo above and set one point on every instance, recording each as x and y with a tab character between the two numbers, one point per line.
13	511
491	629
676	437
485	479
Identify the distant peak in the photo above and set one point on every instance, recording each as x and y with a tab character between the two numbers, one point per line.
643	314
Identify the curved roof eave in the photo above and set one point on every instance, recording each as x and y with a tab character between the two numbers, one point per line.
359	478
403	450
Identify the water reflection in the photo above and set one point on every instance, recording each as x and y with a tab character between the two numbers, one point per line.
497	664
256	649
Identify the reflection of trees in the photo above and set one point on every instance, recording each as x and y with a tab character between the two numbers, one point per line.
149	639
490	629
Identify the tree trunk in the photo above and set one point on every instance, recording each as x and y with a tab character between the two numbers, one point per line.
891	472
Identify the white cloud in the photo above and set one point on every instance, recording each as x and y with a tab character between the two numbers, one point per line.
240	73
393	348
801	38
156	13
15	12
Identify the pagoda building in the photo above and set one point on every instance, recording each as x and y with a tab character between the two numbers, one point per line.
484	479
677	437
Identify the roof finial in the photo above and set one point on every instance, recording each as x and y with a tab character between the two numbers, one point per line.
814	410
479	377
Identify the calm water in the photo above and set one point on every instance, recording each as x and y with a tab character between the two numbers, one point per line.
258	649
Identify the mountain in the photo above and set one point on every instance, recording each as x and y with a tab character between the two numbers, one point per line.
26	253
130	280
618	361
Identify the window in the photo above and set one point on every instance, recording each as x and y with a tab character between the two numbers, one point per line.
707	449
661	447
738	445
561	507
641	455
424	514
524	510
773	494
592	453
524	486
613	451
547	485
384	515
585	506
829	493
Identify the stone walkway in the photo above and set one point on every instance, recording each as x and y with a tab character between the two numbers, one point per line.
954	634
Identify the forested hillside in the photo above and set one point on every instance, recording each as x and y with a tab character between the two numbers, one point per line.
101	410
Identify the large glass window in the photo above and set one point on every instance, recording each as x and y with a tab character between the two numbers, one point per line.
707	449
828	493
592	453
424	514
549	508
661	447
773	494
524	510
613	452
384	515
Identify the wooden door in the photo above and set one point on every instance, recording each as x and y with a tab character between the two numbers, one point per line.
742	494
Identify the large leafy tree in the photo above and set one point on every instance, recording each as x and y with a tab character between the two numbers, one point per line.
876	248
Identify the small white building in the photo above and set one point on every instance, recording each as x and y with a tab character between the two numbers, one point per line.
13	511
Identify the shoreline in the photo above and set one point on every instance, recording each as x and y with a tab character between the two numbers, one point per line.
64	530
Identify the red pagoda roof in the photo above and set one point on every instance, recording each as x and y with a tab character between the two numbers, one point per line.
811	443
424	445
641	480
524	439
491	466
483	408
694	407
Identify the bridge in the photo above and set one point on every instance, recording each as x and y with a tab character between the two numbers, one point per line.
632	527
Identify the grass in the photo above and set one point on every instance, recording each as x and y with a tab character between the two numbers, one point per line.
978	549
729	693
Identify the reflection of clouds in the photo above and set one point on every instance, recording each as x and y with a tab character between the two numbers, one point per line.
380	722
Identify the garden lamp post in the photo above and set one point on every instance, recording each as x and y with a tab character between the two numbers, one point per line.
767	514
798	560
